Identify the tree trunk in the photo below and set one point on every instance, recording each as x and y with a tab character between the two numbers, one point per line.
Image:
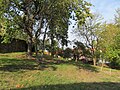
94	61
43	42
52	44
76	60
93	56
102	65
36	50
29	51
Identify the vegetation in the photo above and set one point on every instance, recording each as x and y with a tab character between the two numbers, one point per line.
19	73
108	44
101	39
30	16
48	64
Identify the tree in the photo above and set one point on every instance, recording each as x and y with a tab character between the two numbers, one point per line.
30	16
108	43
89	32
117	17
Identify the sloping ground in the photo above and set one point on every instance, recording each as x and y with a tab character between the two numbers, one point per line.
18	73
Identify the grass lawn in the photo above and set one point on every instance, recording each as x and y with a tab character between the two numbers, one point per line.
18	73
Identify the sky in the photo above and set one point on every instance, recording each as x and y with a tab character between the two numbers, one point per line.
104	7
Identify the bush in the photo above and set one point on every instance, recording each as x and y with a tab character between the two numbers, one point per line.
67	53
115	63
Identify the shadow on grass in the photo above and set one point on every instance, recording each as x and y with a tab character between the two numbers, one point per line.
84	66
13	65
79	64
51	61
76	86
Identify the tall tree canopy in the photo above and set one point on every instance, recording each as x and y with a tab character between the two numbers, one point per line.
30	16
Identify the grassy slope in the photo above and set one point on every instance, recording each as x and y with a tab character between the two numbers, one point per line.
16	72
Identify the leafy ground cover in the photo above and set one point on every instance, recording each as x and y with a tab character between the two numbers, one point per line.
19	73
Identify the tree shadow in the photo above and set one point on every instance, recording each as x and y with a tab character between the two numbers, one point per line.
76	86
13	65
14	68
79	64
48	61
83	66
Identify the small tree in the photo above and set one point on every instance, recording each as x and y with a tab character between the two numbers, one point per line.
89	32
108	44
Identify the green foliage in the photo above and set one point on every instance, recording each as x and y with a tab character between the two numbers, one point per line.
67	53
109	44
79	45
89	31
28	17
117	17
